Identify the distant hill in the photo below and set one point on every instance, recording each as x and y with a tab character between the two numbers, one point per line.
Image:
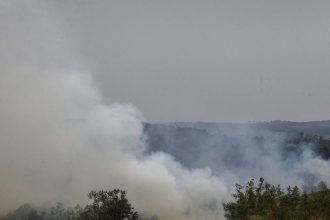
192	142
321	128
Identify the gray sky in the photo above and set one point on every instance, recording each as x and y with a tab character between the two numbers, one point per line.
180	60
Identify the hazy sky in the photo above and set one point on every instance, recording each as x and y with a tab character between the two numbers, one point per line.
186	60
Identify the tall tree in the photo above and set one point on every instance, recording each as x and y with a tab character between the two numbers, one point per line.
109	205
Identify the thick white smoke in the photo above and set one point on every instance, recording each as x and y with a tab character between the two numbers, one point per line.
59	140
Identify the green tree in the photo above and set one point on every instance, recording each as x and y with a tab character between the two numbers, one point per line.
109	205
264	201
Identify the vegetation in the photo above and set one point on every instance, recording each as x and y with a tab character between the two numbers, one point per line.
58	212
261	201
107	205
254	201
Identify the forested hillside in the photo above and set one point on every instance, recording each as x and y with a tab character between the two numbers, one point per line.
191	142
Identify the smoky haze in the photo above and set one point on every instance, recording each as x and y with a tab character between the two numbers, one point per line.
207	60
61	137
59	140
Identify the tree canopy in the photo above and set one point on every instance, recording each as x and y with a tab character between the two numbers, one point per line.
263	201
106	205
109	205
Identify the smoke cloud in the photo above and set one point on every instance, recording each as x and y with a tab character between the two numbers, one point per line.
59	140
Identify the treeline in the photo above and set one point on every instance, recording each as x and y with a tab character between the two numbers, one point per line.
106	205
57	212
263	201
257	200
320	145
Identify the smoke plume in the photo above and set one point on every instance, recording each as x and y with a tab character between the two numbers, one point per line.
59	139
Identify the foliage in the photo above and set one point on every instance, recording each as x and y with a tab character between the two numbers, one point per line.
57	212
261	201
109	205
